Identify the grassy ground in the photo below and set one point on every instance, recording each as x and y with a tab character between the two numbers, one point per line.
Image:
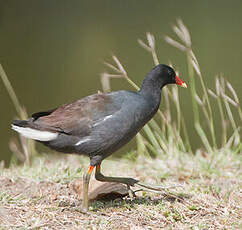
42	196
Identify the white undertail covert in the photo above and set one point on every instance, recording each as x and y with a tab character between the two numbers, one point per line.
35	134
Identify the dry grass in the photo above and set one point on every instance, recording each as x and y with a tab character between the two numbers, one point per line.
169	132
22	147
42	196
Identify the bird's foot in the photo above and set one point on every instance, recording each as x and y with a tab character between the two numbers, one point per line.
84	210
154	188
131	193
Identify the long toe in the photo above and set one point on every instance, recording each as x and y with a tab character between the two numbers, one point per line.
155	187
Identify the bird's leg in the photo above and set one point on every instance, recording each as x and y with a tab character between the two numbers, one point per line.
86	179
124	180
130	182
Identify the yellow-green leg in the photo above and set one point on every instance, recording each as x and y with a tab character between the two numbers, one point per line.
86	179
124	180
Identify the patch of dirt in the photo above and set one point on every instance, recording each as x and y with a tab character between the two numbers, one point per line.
202	203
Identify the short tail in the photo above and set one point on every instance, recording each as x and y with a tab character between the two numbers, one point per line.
27	129
20	123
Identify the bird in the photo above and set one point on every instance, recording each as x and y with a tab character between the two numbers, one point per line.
100	124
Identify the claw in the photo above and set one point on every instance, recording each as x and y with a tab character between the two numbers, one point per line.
84	210
130	192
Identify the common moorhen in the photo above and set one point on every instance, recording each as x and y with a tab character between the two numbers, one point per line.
100	124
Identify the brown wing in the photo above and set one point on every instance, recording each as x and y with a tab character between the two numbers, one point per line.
78	117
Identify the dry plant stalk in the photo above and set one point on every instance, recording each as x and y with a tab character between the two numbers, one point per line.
222	99
25	154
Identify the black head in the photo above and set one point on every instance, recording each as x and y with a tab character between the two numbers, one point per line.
163	74
160	76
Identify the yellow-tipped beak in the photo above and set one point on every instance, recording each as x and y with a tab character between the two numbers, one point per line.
180	82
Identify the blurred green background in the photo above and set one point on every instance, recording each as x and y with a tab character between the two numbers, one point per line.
53	50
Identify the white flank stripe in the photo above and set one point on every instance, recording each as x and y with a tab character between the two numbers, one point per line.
83	140
102	120
35	134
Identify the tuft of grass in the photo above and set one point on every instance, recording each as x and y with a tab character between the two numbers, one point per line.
27	146
168	133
